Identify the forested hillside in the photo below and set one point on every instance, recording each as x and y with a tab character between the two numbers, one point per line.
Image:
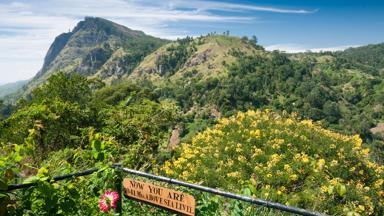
334	88
300	129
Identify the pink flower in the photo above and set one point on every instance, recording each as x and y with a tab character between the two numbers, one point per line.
108	200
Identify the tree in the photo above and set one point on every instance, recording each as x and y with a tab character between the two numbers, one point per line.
72	88
141	127
58	112
254	39
1	109
332	112
5	109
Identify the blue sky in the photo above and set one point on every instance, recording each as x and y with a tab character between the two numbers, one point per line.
28	27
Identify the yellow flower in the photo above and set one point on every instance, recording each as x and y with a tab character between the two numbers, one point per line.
307	123
287	167
238	150
240	116
255	133
224	121
293	177
334	181
275	157
357	141
365	152
233	174
230	162
378	183
320	164
305	159
361	208
289	121
334	162
241	158
257	152
297	157
359	186
324	188
185	175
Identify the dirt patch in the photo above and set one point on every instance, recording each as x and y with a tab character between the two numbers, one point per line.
198	58
174	141
378	130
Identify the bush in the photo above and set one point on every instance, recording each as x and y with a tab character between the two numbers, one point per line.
284	159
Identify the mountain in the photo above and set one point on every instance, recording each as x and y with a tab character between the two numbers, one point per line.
217	74
10	88
97	47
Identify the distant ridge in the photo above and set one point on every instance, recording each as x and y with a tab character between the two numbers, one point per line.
10	88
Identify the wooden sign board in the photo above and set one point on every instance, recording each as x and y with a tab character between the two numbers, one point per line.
160	196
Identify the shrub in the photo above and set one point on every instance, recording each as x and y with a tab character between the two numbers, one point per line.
284	159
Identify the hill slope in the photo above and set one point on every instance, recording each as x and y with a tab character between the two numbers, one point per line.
206	56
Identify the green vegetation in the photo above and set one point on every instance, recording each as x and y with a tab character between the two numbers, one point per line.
67	126
109	94
328	87
175	57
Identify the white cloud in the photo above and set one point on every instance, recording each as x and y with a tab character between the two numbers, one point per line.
212	5
298	48
28	27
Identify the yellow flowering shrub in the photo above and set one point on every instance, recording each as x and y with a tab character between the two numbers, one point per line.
284	159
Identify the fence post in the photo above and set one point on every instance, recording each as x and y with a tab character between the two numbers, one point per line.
119	188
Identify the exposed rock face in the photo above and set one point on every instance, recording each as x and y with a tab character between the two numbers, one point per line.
58	44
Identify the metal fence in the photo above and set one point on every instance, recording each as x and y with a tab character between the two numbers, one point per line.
259	202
